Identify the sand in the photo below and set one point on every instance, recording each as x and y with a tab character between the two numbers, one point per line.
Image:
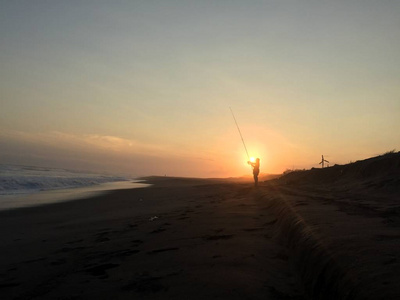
206	239
180	239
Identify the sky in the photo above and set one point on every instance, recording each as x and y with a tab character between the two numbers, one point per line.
145	87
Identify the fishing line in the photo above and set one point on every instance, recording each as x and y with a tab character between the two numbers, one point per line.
245	148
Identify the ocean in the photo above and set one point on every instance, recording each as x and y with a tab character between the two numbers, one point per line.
22	186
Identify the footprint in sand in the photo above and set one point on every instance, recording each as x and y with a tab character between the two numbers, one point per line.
75	242
390	261
145	284
10	284
102	239
158	230
124	253
281	256
162	250
270	222
58	262
254	229
218	237
34	260
384	237
100	270
136	243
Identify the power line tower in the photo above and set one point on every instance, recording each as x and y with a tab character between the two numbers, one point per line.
323	161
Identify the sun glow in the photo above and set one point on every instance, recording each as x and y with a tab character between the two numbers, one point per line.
252	159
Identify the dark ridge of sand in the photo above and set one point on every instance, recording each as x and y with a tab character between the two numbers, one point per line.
380	172
341	227
191	238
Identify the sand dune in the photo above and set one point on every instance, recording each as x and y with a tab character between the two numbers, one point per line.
341	225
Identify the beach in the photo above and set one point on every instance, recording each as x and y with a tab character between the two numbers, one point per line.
185	238
206	239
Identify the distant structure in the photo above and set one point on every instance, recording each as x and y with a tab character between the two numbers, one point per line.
323	161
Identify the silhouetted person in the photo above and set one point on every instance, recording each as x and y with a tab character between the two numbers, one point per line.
256	170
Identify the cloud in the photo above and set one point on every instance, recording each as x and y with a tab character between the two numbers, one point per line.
99	153
85	142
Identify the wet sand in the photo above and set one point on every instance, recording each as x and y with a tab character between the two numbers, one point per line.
181	238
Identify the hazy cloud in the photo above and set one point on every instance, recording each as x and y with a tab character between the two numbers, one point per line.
99	153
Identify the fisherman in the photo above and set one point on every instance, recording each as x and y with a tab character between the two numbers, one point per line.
256	170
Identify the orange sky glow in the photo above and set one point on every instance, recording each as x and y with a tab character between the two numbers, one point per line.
145	87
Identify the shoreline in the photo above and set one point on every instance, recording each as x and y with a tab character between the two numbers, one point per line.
46	197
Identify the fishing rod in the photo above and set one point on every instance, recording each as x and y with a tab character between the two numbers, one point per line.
245	148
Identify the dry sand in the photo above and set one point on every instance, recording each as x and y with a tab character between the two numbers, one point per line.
323	234
341	226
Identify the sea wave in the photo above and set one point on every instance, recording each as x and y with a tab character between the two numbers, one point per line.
28	179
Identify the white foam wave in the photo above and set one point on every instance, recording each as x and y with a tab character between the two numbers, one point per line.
27	179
